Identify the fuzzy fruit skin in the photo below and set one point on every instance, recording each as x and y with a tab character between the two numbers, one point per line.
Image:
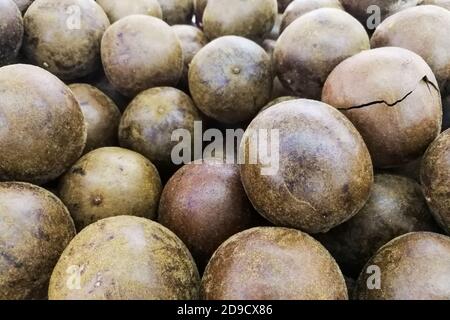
118	9
392	98
230	79
313	45
151	118
268	263
251	19
35	227
11	31
205	204
49	116
434	175
110	182
324	171
396	206
177	11
126	48
126	258
415	266
427	36
300	7
192	40
56	43
101	114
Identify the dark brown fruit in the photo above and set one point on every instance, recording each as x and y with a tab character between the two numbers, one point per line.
11	31
118	9
297	8
272	264
141	52
323	174
434	175
151	118
230	79
392	97
63	36
192	40
415	266
309	49
101	115
205	204
199	9
282	5
396	207
110	182
249	19
101	82
35	227
423	30
125	258
47	134
177	11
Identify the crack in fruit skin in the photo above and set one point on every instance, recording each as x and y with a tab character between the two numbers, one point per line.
424	79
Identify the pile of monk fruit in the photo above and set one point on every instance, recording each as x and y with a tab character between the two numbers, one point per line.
92	205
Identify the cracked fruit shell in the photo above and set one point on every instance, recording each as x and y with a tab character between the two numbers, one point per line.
392	97
321	173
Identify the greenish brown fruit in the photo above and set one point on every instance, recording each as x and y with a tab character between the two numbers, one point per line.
141	52
151	118
427	36
11	31
415	266
230	79
297	8
192	40
320	174
396	206
205	204
177	11
393	99
272	264
47	134
110	182
313	45
434	175
118	9
125	258
35	227
101	115
249	19
63	36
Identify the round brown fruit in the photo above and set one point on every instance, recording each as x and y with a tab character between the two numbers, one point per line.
230	79
415	266
35	227
396	207
434	175
63	36
319	173
125	258
151	118
205	204
177	11
141	52
11	31
422	30
249	19
313	45
110	182
297	8
192	40
392	97
47	134
272	264
118	9
101	115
